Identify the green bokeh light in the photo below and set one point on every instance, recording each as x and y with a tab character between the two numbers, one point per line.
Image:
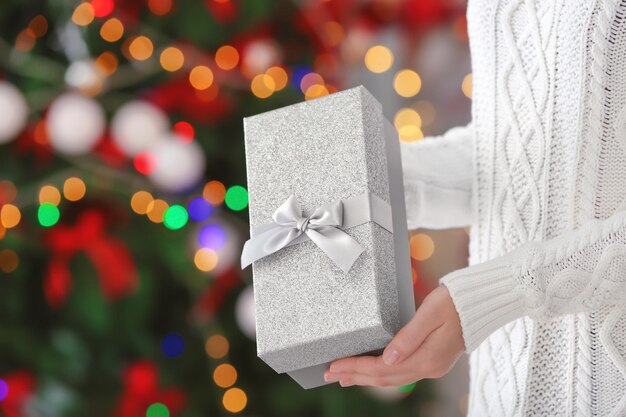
236	198
158	410
48	214
175	217
407	388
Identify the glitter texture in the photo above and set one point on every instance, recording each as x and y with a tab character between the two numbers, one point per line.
308	311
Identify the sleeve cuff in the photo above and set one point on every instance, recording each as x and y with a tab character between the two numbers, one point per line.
435	207
486	297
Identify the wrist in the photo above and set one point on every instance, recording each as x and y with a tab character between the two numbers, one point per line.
486	296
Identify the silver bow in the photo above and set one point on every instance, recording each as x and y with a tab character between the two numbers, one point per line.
322	227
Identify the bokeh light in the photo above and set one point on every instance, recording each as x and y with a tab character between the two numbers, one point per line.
214	192
212	236
225	375
205	259
216	346
309	80
4	389
160	7
408	123
140	201
201	77
172	345
9	262
112	30
466	85
378	59
199	209
141	48
83	14
38	25
175	217
172	59
315	91
407	388
107	63
157	410
49	194
41	133
144	162
279	75
184	130
10	216
407	83
226	57
422	246
236	198
48	214
156	210
25	40
234	400
8	192
333	33
299	72
74	189
262	85
102	8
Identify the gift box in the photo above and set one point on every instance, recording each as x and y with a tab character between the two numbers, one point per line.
329	245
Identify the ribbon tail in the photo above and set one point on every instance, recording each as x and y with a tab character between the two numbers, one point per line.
337	244
266	243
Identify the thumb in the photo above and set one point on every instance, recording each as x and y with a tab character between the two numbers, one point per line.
410	337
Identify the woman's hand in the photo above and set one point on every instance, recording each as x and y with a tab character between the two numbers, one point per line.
427	347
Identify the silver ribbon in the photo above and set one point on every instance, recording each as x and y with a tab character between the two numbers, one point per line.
323	227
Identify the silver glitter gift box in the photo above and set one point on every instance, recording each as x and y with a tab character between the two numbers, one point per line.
311	155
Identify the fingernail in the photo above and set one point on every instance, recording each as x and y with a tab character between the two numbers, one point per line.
345	384
390	356
329	376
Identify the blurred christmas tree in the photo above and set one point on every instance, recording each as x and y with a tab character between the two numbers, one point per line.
123	200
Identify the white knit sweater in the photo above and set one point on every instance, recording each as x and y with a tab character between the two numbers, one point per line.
540	176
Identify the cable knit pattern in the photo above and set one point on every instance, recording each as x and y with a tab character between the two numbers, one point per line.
540	175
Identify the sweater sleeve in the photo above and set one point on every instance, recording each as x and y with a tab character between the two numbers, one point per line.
579	271
437	173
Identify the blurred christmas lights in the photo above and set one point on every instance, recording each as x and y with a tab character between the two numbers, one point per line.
234	400
172	345
225	375
378	59
175	217
421	246
199	209
216	346
236	198
48	214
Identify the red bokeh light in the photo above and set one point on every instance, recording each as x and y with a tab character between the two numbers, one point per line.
102	8
144	163
184	130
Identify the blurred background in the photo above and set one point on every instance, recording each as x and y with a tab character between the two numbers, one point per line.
123	202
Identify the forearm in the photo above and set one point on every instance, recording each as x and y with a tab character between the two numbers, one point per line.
578	271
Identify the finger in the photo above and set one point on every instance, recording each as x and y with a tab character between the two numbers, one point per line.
355	364
368	365
349	379
410	337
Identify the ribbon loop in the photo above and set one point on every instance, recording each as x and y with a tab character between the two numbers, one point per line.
323	227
